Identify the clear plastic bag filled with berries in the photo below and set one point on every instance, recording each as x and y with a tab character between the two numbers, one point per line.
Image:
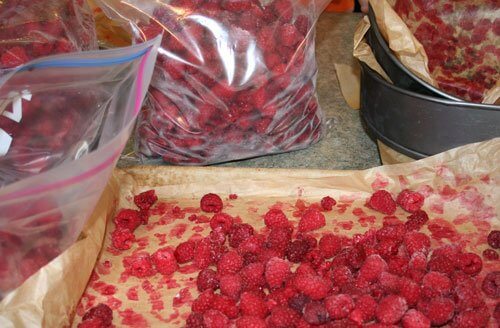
234	78
32	29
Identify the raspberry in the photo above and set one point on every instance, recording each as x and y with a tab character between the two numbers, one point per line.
470	318
439	311
215	319
416	221
302	24
225	305
145	199
496	313
252	304
398	265
223	221
381	201
252	245
296	251
390	283
490	254
311	220
443	259
102	312
394	232
128	219
494	239
327	203
410	291
122	238
410	201
164	261
13	57
297	302
339	306
391	309
415	319
139	265
250	322
330	245
236	5
466	296
355	257
371	270
315	313
315	287
211	203
253	275
417	242
201	257
279	238
436	284
288	35
418	262
470	263
310	240
341	276
233	196
283	317
277	271
230	285
203	302
364	310
275	218
195	320
207	279
239	233
217	237
93	323
184	252
491	284
230	262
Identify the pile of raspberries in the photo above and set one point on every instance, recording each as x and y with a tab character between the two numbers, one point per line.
285	277
29	29
234	79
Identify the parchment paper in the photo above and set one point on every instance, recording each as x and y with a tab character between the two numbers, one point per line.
471	172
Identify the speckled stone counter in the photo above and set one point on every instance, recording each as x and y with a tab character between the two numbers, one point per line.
345	144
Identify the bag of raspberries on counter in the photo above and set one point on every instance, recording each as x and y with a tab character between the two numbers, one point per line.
32	29
460	39
64	121
234	78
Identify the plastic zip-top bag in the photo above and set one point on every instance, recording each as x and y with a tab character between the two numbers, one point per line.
234	78
64	124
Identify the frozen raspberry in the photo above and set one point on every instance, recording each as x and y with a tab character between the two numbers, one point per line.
491	284
145	199
371	269
410	291
217	236
315	287
415	319
203	302
315	257
398	265
311	220
470	318
129	219
302	24
496	313
279	238
494	239
381	201
239	233
207	279
252	304
211	203
310	240
195	320
230	285
164	261
327	203
275	218
315	313
253	275
236	5
356	257
364	310
410	201
102	312
225	305
467	296
297	302
283	317
230	262
202	254
416	221
139	265
418	262
277	271
223	221
288	35
296	251
470	263
392	232
417	242
391	309
438	310
341	276
390	283
330	245
13	57
215	319
122	238
250	322
339	306
184	252
436	284
444	259
233	196
490	254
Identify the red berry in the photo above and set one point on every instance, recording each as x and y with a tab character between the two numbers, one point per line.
416	221
223	221
491	284
139	265
381	201
470	263
129	219
239	233
327	203
215	319
225	305
236	5
311	220
315	313
164	261
283	317
252	304
391	309
341	276
195	320
203	302
410	201
13	57
231	285
490	254
438	310
436	284
184	252
494	239
390	283
101	312
253	275
279	238
410	291
339	306
471	318
207	279
275	218
250	322
202	256
122	238
371	269
415	319
145	199
288	35
330	245
417	242
211	203
296	251
315	287
364	310
277	272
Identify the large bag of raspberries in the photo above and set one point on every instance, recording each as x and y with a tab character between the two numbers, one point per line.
64	122
234	78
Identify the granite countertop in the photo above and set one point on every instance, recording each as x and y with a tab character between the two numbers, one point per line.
345	144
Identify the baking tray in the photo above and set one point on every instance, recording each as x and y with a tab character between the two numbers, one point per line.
399	74
418	125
